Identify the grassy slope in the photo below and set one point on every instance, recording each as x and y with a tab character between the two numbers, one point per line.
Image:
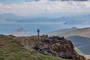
85	32
12	50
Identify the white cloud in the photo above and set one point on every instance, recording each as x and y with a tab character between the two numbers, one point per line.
45	8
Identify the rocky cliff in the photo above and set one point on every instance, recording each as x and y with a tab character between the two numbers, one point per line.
58	46
48	46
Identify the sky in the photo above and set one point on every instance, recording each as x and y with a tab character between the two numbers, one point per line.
44	12
44	8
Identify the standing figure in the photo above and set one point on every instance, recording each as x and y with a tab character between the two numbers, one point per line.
38	33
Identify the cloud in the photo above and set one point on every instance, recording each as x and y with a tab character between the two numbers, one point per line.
45	8
49	23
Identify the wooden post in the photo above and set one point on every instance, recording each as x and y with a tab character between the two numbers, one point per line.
38	33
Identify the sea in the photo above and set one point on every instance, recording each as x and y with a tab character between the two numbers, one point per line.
32	28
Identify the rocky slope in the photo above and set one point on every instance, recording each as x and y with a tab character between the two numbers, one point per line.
44	48
10	49
80	38
58	46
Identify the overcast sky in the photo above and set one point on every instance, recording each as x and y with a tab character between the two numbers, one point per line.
20	7
44	8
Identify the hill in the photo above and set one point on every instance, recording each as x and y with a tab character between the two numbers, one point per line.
59	32
85	32
10	49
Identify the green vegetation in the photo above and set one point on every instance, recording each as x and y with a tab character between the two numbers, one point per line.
10	49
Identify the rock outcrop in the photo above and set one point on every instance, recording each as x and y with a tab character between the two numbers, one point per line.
53	46
58	46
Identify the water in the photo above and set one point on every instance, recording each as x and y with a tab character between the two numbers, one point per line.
82	43
32	28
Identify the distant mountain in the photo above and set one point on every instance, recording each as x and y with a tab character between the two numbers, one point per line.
19	32
85	32
61	31
82	43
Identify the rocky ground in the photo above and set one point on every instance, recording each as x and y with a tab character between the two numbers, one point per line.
58	46
42	48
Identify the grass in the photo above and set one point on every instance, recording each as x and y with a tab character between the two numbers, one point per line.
10	49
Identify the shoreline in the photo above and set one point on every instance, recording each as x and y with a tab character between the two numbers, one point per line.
80	53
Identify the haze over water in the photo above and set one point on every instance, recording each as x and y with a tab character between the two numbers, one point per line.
32	28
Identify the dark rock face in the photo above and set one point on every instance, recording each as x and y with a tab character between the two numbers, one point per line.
58	46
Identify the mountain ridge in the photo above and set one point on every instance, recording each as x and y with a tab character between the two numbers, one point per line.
77	32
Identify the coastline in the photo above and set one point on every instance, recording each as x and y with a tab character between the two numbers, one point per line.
80	53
